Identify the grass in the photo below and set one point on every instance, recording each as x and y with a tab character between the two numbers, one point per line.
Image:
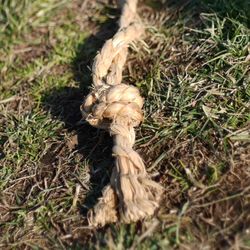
193	71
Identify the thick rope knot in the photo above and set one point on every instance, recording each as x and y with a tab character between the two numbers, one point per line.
106	104
117	107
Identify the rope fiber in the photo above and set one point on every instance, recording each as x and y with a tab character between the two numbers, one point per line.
117	107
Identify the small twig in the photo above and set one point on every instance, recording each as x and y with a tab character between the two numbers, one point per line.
223	199
75	199
10	99
178	224
81	183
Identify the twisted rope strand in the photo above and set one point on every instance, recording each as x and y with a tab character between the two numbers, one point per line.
117	107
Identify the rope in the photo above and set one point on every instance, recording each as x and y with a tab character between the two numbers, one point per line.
117	107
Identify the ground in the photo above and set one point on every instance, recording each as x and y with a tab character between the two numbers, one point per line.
193	69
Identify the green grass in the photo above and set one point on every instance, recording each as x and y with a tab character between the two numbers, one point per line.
193	71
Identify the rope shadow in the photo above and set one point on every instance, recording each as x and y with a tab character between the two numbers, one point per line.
64	104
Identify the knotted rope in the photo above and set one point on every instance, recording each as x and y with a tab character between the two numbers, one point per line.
117	107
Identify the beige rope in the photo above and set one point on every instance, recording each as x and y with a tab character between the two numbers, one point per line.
117	107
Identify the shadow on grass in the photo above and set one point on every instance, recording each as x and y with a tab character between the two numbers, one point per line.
234	9
64	104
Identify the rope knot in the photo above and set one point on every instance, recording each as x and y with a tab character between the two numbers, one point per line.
117	107
109	103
